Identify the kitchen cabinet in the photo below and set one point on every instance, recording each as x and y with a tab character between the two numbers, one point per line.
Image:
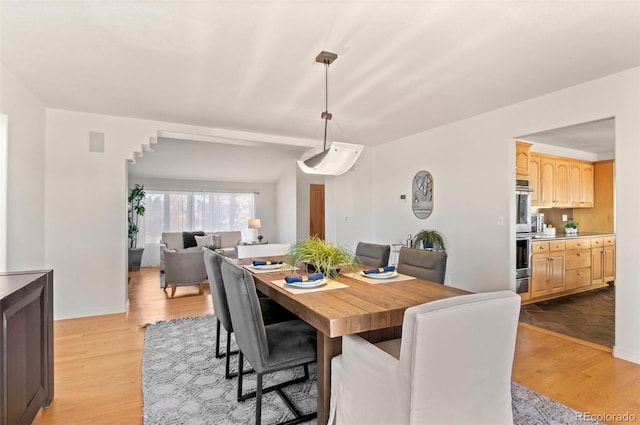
577	263
547	269
522	159
561	182
554	182
534	179
570	265
603	259
580	184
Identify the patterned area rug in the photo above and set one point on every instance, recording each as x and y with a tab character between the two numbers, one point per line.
183	383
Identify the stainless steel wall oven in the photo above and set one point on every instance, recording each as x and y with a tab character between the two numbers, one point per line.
523	262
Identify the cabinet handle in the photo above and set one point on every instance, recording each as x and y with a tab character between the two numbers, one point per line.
540	247
579	274
578	254
550	258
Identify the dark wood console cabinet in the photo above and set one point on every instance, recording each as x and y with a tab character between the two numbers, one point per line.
26	338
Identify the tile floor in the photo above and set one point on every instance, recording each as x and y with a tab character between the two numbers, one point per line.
588	315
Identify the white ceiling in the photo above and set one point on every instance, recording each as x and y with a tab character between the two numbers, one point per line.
596	137
403	66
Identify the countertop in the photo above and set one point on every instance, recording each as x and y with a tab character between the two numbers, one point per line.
560	235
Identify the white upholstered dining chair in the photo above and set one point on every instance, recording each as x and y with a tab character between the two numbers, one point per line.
451	366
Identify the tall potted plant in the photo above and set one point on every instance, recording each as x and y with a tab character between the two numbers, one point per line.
136	210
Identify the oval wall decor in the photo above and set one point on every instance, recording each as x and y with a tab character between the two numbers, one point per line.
422	194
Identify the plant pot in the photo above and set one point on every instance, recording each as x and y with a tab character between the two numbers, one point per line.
135	258
311	268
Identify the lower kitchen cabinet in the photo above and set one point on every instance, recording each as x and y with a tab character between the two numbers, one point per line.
547	270
566	266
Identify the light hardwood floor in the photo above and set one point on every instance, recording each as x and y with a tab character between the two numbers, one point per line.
98	362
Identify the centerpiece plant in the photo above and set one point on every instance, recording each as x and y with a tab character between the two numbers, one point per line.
321	256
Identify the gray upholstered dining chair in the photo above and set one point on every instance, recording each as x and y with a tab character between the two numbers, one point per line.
451	366
423	264
373	255
272	312
268	348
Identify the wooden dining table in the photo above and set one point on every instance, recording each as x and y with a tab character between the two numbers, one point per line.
374	311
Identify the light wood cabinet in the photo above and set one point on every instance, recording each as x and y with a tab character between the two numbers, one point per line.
534	178
561	182
522	159
581	184
554	182
603	260
567	266
547	270
578	263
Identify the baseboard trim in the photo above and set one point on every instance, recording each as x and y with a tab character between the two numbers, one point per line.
567	337
626	355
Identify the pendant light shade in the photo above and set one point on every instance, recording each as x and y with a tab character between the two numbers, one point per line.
339	157
336	160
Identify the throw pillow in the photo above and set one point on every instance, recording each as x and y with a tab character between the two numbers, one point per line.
217	241
204	241
189	240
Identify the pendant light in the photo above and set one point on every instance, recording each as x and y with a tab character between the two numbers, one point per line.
339	157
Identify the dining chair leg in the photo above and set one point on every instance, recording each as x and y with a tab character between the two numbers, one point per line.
227	366
218	355
258	398
240	373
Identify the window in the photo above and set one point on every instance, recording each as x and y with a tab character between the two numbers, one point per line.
178	211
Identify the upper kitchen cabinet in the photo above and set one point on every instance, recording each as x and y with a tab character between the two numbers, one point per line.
554	182
522	159
561	182
581	184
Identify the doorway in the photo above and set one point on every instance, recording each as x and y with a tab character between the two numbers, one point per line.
586	315
316	210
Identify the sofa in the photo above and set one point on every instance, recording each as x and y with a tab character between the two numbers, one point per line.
225	241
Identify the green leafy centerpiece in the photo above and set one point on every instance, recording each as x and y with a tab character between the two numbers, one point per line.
321	256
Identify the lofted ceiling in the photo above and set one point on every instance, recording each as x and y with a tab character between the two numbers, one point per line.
403	67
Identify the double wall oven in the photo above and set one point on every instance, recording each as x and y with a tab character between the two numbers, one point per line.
523	235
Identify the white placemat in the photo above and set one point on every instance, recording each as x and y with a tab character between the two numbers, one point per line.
374	281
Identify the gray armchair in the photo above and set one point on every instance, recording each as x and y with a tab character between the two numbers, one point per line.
182	268
373	255
423	264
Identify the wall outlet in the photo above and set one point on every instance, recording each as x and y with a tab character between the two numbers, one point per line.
564	217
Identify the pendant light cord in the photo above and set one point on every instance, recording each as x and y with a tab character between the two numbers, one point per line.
326	114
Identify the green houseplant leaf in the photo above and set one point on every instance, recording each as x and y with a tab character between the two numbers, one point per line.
324	256
136	210
430	239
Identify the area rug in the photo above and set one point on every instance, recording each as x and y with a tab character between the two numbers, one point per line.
183	383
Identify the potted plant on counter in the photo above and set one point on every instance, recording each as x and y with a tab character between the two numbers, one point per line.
136	210
429	239
320	256
570	227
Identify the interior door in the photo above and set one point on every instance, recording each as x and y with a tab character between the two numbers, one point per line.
316	210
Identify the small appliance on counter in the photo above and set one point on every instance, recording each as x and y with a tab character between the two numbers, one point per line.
537	223
549	231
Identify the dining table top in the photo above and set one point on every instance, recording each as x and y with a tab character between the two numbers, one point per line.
359	307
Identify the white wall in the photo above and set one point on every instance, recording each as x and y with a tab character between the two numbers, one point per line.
85	236
25	222
353	192
472	163
286	202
